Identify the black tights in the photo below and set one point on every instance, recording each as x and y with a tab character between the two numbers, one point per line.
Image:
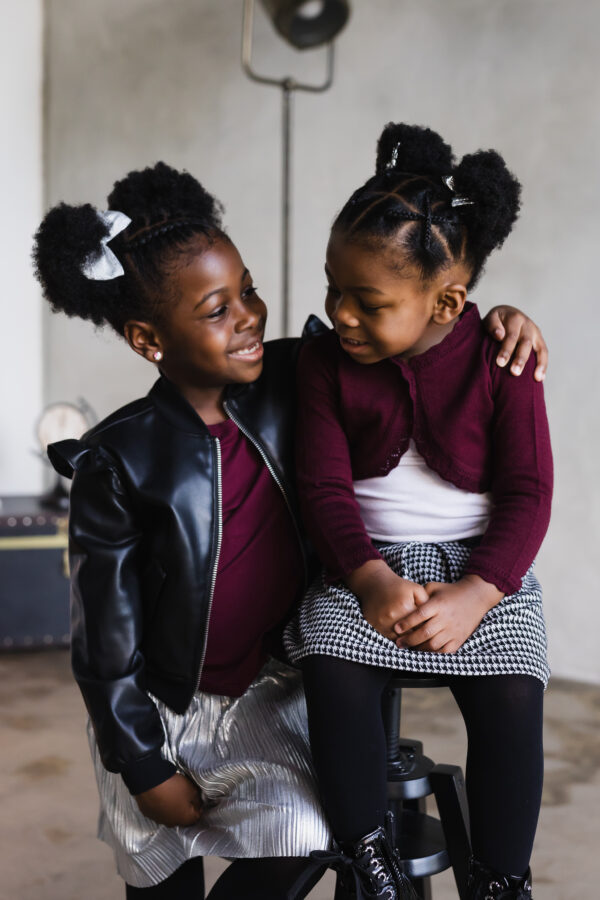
503	717
277	878
186	883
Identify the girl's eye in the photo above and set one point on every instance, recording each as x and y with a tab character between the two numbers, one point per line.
331	290
217	313
249	291
368	309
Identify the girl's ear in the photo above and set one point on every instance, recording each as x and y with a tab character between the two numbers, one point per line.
143	338
450	303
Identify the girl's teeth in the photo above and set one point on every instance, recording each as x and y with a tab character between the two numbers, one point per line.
248	350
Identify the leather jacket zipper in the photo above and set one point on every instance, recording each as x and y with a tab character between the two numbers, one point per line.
276	479
217	554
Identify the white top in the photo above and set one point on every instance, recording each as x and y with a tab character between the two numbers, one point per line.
413	503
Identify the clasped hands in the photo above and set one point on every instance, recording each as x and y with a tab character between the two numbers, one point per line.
436	617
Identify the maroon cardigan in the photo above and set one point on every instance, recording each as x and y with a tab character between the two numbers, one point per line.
475	424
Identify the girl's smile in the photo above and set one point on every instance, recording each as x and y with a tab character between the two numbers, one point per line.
250	353
353	346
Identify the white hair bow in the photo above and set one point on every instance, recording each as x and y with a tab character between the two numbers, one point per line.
103	265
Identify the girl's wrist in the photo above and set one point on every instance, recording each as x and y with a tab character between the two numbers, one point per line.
367	577
488	594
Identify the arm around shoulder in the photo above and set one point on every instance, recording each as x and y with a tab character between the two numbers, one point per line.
518	336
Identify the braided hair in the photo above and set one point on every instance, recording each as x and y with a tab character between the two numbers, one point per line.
168	209
436	211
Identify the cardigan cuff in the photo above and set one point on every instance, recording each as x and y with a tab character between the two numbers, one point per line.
146	773
502	582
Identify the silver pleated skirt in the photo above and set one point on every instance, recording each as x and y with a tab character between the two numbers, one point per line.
250	757
510	640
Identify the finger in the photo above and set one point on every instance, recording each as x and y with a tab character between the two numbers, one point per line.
507	348
420	595
183	821
521	355
494	325
414	619
432	644
423	637
541	352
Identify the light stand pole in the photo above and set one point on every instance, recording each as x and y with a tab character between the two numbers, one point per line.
287	85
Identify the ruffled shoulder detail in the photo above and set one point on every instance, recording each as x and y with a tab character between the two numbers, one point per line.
71	456
313	327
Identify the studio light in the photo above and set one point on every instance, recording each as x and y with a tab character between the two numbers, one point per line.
307	23
303	24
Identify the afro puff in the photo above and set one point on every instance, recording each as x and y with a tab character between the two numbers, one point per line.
168	211
412	149
65	240
161	194
495	194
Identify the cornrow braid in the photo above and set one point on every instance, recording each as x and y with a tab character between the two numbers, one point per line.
426	236
150	232
400	214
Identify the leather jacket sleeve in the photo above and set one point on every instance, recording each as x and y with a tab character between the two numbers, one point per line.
107	617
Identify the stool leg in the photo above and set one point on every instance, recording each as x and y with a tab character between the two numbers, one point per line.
421	885
451	798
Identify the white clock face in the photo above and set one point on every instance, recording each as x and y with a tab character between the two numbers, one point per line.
60	421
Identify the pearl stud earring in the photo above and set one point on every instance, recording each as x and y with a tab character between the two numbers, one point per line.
157	356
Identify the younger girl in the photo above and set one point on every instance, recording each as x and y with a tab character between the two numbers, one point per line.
425	476
185	551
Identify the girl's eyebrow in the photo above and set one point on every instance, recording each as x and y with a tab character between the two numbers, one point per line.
219	290
365	288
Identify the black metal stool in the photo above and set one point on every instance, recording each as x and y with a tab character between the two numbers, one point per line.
427	845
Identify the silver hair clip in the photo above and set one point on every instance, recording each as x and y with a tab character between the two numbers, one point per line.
448	180
394	158
103	265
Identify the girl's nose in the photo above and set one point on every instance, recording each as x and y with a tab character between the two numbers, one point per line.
344	314
250	314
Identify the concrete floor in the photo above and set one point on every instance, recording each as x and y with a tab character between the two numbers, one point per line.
48	849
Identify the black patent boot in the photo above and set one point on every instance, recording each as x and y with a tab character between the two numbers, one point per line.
487	884
370	869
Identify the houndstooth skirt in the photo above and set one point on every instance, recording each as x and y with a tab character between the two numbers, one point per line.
250	757
511	638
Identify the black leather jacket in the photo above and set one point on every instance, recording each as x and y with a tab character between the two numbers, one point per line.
145	531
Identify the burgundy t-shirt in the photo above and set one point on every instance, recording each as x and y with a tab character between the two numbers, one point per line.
260	572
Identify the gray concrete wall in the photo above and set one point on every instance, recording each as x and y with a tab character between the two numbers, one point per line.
20	302
133	82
